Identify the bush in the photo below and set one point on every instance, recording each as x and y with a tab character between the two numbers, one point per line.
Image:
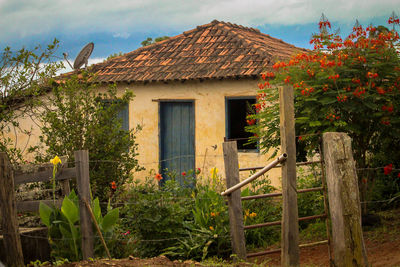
78	117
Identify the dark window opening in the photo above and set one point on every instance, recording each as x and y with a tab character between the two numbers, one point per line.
237	110
122	115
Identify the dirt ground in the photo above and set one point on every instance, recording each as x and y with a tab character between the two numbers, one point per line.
382	243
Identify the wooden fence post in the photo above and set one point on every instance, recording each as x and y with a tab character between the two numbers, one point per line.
234	201
83	183
344	201
11	238
65	188
290	225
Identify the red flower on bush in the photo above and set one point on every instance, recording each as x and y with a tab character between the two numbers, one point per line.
113	185
198	171
388	169
183	173
158	177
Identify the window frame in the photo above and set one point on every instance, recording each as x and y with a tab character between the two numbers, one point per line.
227	121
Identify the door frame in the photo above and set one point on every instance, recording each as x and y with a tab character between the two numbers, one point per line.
160	101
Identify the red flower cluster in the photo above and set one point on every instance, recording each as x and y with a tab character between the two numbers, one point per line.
183	173
334	77
307	91
393	20
372	75
332	117
251	122
359	91
380	90
324	24
342	98
388	169
113	185
385	122
387	108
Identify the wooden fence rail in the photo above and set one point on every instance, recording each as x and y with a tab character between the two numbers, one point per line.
9	207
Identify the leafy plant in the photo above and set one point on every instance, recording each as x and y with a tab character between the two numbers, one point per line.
155	217
78	116
64	226
23	75
258	211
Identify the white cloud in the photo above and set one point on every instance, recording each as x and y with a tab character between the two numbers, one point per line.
20	18
123	35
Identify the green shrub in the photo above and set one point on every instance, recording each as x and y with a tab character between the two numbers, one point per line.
258	211
77	116
155	217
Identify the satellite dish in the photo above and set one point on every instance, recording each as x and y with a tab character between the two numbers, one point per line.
83	56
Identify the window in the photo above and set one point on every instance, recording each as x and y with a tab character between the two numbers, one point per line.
237	109
123	114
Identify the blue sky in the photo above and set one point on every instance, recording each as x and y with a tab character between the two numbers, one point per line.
120	25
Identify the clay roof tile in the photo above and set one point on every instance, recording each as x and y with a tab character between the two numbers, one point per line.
214	50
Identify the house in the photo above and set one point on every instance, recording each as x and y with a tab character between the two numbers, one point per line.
193	91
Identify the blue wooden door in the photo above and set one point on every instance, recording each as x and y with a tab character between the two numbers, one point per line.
177	153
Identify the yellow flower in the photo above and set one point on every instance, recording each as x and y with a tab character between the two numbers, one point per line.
55	161
211	228
252	215
214	171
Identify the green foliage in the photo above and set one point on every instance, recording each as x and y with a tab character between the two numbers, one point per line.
64	227
258	211
114	55
154	214
23	75
309	203
207	234
150	40
78	116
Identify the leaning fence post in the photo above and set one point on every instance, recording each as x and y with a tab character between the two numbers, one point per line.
83	183
290	227
234	199
11	238
344	201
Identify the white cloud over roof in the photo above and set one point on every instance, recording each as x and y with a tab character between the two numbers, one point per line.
21	18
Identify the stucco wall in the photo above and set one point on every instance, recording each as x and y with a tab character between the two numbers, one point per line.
209	104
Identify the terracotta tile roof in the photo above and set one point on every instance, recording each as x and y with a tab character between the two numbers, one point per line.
211	51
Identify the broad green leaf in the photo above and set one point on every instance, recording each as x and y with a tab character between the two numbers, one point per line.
70	210
65	231
315	123
97	210
110	220
302	119
328	100
45	212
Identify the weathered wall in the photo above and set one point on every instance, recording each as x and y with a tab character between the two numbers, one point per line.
209	103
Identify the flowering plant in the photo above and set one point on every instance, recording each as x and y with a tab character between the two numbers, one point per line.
350	85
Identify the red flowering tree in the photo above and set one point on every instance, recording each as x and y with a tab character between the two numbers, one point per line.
350	85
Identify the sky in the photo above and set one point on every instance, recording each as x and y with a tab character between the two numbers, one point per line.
121	25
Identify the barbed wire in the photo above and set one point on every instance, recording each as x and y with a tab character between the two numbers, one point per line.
112	238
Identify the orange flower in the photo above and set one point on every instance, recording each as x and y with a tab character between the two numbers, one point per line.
113	185
158	177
